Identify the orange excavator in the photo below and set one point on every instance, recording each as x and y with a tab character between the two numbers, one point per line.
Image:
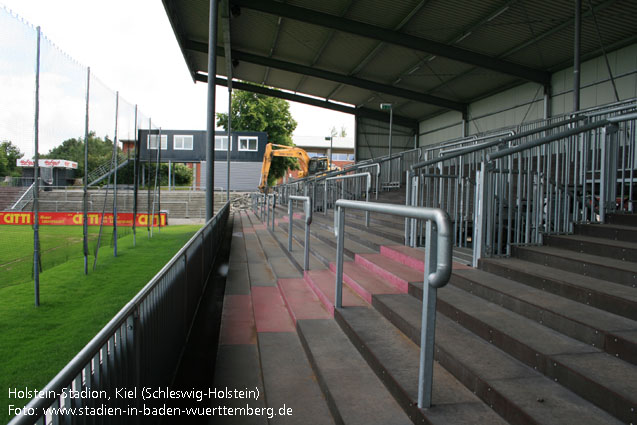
309	166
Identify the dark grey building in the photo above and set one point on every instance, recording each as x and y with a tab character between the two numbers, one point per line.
188	146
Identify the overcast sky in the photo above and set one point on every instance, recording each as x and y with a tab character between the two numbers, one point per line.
130	47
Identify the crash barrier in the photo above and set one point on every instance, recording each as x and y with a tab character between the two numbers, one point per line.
437	273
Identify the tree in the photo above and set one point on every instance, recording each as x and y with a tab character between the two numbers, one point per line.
9	155
258	112
99	152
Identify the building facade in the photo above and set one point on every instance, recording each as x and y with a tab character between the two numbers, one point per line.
189	147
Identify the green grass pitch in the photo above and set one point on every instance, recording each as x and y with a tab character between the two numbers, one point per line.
35	343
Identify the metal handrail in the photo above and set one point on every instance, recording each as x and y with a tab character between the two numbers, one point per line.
121	334
350	176
567	133
482	146
377	165
307	208
437	251
28	191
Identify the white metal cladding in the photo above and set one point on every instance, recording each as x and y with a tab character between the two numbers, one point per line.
244	176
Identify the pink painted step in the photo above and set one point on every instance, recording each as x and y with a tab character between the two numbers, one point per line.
412	257
295	215
237	321
322	283
398	274
270	312
301	302
364	282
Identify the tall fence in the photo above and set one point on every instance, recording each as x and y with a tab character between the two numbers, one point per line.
140	347
54	108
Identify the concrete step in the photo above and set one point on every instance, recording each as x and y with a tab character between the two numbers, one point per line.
301	302
613	270
514	390
608	231
601	294
547	351
622	219
327	237
323	283
354	393
395	360
620	250
399	275
597	328
290	385
264	342
365	282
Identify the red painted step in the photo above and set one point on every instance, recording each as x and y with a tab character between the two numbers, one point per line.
301	302
412	257
295	215
237	321
323	284
398	274
364	282
270	312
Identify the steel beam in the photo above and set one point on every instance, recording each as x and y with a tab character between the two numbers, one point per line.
333	76
362	112
394	37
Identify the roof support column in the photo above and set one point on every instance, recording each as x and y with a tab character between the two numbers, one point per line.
465	124
210	119
547	101
576	55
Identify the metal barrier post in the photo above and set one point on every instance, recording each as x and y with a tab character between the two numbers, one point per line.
428	328
339	229
267	209
290	219
274	195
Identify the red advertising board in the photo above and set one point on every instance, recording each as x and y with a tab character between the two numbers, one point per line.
74	218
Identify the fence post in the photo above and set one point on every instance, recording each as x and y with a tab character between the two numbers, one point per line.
478	215
608	171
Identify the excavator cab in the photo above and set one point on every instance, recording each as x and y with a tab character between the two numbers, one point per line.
317	165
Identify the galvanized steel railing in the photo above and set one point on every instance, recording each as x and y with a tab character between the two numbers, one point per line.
351	188
448	182
437	273
547	185
26	197
140	347
307	207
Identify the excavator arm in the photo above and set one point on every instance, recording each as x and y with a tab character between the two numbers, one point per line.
286	151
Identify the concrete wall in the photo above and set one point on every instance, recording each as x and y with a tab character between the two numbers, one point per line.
525	103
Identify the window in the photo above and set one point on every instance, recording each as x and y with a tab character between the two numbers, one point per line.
248	143
221	143
182	143
152	141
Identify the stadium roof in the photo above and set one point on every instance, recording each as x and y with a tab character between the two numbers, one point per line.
423	56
